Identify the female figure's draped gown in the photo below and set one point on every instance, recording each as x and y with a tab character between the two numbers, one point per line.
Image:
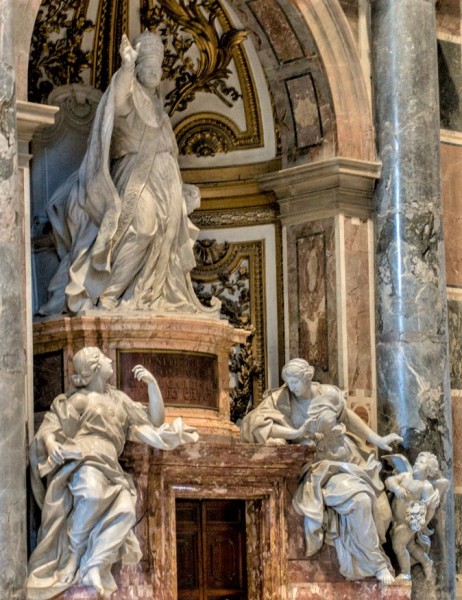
341	495
89	502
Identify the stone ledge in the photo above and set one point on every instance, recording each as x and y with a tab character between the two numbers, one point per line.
346	590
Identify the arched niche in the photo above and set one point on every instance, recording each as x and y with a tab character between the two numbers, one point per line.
344	107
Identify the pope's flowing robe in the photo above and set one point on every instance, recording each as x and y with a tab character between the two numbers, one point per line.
120	222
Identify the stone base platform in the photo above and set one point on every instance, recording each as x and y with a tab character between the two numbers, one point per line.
188	356
347	590
350	590
265	478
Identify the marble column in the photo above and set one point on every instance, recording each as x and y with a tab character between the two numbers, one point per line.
412	349
13	558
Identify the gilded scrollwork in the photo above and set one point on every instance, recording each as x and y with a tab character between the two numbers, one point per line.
56	55
186	23
202	45
205	55
245	368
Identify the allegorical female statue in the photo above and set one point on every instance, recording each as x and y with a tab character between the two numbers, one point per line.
120	222
88	502
341	495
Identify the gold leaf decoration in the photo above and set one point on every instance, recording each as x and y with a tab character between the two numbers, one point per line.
185	23
57	60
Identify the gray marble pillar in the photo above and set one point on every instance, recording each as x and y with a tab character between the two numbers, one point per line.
412	349
13	555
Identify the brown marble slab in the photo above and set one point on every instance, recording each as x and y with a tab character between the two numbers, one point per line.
185	378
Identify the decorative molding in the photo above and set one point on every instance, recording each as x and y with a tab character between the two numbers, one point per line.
324	188
454	293
32	116
339	55
77	104
454	138
235	218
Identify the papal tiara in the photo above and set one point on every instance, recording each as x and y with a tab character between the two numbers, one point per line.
151	45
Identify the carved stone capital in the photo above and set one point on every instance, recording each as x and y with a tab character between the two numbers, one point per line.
324	188
30	117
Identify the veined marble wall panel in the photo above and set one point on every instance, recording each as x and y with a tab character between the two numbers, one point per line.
448	17
287	53
311	296
451	180
456	396
329	304
312	299
358	295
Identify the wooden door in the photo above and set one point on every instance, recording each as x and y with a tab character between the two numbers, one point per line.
211	551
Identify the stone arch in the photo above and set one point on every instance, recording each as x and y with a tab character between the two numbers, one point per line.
24	16
337	49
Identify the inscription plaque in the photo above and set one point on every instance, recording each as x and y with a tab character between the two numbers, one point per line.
187	379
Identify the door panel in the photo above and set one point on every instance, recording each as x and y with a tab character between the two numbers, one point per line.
211	550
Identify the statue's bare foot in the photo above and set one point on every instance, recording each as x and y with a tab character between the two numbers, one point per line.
67	573
93	579
404	577
384	576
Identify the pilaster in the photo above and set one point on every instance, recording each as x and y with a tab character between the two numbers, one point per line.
327	230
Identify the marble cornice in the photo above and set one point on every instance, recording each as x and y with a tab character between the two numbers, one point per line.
31	116
324	188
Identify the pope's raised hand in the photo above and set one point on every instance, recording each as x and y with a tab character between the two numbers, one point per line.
127	52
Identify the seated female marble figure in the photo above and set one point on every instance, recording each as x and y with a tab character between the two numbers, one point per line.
88	507
341	495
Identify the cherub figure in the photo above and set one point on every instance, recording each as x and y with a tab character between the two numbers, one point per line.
418	491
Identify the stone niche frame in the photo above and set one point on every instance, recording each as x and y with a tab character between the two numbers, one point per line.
259	475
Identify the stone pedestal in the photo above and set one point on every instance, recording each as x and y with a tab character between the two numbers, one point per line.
265	477
218	467
188	355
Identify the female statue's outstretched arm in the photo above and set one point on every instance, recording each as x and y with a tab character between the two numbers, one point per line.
357	426
156	409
